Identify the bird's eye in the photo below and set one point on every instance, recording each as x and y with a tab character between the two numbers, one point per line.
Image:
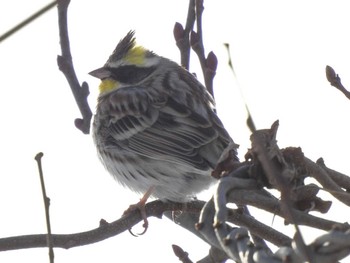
131	74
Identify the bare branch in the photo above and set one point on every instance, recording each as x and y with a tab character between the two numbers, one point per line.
65	64
326	181
182	36
27	21
209	63
270	204
250	121
38	158
215	256
181	254
340	179
335	81
284	170
264	145
104	231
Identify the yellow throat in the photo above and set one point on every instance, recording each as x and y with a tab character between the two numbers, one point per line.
108	85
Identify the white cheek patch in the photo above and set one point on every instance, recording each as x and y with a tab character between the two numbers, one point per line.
115	64
151	61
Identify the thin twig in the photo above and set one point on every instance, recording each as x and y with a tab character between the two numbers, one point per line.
65	64
38	158
182	36
250	121
197	37
210	63
335	81
181	254
27	21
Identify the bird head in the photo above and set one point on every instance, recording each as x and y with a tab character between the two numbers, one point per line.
128	65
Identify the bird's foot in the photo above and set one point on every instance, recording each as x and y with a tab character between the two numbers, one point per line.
141	206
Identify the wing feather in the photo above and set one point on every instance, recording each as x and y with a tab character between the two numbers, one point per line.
162	128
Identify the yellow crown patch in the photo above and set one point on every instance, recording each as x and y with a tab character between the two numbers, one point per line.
136	55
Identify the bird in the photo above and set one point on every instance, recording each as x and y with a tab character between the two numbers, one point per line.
155	128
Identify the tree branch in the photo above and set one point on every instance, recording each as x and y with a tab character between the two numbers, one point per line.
65	64
184	42
250	121
335	81
27	21
285	171
182	36
104	231
209	63
47	206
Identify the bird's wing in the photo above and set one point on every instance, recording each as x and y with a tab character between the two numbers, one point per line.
163	129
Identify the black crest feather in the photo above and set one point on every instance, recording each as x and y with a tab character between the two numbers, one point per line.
123	47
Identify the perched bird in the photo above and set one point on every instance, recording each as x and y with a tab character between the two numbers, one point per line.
155	128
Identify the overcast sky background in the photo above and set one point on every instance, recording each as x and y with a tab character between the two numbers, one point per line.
279	49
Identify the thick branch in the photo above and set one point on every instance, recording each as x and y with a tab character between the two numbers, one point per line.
104	231
272	205
326	181
340	179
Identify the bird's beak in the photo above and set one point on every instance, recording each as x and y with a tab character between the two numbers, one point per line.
101	73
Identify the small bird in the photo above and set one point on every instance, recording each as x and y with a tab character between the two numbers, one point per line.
155	128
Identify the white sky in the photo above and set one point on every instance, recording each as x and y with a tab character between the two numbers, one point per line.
279	50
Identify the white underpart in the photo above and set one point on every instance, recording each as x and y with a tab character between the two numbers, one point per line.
171	182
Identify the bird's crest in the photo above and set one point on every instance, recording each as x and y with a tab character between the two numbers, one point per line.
128	51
